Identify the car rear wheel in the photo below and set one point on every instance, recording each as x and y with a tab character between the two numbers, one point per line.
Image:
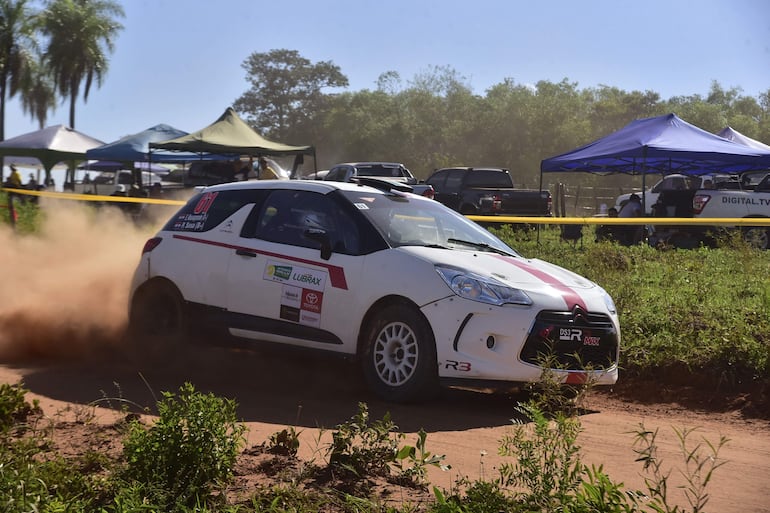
757	237
157	321
399	356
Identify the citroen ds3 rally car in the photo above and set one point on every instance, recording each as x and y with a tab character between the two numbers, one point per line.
420	295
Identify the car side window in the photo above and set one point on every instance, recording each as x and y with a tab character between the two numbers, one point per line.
207	210
454	180
286	215
337	174
437	180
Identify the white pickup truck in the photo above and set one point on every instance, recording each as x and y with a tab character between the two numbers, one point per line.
747	197
674	182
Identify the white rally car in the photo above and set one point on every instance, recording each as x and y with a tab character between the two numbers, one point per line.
419	294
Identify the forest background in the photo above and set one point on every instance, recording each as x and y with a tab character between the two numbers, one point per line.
435	119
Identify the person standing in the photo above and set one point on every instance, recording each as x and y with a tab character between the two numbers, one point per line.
631	233
14	181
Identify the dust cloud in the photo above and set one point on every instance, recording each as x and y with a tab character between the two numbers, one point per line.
65	289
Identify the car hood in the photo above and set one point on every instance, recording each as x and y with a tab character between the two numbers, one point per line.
517	272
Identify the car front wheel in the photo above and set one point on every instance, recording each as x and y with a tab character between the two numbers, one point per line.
399	356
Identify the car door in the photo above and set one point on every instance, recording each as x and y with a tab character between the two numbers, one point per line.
281	289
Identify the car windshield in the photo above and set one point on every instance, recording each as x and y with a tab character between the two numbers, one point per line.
410	221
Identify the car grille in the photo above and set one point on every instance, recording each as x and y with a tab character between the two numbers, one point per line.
576	340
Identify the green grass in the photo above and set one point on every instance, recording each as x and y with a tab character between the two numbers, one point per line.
701	315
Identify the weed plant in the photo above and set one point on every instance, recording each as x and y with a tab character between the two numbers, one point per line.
543	470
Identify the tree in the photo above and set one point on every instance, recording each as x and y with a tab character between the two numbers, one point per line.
38	95
80	34
286	90
17	49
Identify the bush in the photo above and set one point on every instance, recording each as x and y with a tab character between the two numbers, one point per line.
191	448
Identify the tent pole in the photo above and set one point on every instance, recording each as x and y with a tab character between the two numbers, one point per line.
541	190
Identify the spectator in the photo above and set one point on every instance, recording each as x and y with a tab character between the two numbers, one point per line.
607	231
632	233
265	171
14	181
32	183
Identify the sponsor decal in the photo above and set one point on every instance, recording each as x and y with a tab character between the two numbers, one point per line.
309	318
298	276
361	206
312	300
291	296
591	341
290	313
276	272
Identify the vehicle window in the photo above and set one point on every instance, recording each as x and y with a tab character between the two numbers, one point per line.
336	174
404	221
438	179
286	215
489	179
454	180
379	170
207	210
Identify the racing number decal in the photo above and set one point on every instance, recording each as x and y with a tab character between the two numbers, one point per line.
204	204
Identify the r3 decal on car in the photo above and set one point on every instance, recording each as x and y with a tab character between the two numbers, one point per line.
457	366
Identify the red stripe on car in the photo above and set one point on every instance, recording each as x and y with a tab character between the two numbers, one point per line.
571	297
336	273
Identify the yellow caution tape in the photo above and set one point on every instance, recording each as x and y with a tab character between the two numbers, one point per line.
708	221
93	197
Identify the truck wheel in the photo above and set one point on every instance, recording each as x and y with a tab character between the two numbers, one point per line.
157	321
399	356
757	237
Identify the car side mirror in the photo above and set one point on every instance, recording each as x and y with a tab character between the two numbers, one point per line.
321	237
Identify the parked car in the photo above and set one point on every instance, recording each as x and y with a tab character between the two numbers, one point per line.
487	192
395	171
416	292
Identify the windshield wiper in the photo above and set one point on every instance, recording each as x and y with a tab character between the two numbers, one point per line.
479	245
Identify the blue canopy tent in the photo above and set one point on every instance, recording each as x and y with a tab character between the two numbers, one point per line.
136	147
737	137
658	145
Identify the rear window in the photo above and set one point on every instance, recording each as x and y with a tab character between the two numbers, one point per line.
380	170
489	178
207	210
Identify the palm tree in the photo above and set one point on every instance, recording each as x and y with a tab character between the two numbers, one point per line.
38	95
17	50
80	34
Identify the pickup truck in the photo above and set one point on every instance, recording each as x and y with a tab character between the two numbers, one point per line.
747	196
672	182
346	172
487	191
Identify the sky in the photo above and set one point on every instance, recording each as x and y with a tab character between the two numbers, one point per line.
179	62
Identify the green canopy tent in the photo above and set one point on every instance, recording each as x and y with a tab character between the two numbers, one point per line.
50	145
231	135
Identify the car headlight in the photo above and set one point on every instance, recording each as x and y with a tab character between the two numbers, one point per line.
608	302
484	289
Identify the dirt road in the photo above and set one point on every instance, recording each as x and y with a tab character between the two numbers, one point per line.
274	391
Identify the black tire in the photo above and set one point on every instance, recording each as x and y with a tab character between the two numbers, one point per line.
399	356
757	237
157	323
